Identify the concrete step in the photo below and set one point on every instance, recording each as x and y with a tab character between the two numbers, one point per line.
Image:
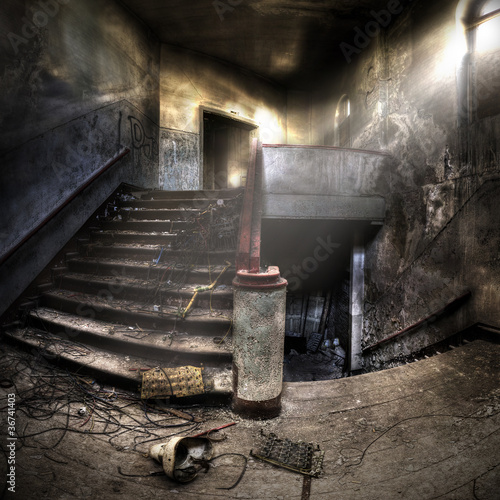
172	204
166	347
124	371
145	226
105	307
166	291
169	214
152	253
149	271
117	236
193	195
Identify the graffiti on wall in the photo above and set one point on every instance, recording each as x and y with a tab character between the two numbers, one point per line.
141	141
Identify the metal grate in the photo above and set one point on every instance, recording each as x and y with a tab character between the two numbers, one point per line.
301	457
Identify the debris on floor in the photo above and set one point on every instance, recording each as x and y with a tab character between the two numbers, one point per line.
325	364
183	457
165	382
301	457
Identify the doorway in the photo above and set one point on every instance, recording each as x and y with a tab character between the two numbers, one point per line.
226	150
315	257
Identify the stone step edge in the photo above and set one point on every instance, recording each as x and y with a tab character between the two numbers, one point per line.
95	333
216	316
185	292
113	369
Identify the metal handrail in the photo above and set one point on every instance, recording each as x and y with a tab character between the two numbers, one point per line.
418	323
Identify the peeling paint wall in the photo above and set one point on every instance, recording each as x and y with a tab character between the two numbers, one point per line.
405	99
79	84
189	82
179	159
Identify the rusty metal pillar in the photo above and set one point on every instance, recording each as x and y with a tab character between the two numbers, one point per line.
259	312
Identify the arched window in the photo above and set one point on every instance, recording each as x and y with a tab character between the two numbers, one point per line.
342	121
484	47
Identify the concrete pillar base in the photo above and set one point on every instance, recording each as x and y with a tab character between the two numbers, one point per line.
258	343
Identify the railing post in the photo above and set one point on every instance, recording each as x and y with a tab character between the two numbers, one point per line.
259	311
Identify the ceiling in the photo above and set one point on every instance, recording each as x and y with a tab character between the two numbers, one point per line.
291	42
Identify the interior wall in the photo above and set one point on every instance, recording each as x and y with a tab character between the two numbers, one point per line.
190	81
404	91
299	122
79	85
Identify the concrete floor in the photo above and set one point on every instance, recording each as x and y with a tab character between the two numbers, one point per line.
427	430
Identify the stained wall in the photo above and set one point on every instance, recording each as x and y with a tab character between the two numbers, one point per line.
79	84
405	87
191	82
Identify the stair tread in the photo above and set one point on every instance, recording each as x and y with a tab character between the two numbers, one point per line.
104	302
148	285
189	195
148	270
147	246
109	365
109	232
215	269
166	210
143	222
161	340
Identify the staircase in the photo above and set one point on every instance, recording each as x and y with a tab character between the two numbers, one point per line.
150	286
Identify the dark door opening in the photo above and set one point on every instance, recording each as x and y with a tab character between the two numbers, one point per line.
315	257
226	150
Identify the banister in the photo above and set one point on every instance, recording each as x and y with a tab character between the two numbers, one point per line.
248	255
418	323
66	202
325	148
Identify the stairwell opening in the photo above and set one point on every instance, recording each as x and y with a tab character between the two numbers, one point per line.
316	259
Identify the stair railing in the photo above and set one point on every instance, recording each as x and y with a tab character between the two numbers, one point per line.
61	206
421	322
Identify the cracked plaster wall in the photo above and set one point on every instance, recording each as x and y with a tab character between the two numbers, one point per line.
79	84
404	90
191	81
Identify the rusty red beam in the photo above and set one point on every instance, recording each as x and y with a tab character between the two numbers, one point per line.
66	202
418	323
245	233
256	215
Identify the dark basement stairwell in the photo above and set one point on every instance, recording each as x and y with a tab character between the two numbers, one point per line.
150	286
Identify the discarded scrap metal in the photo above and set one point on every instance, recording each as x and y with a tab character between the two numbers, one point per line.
301	457
181	456
165	382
